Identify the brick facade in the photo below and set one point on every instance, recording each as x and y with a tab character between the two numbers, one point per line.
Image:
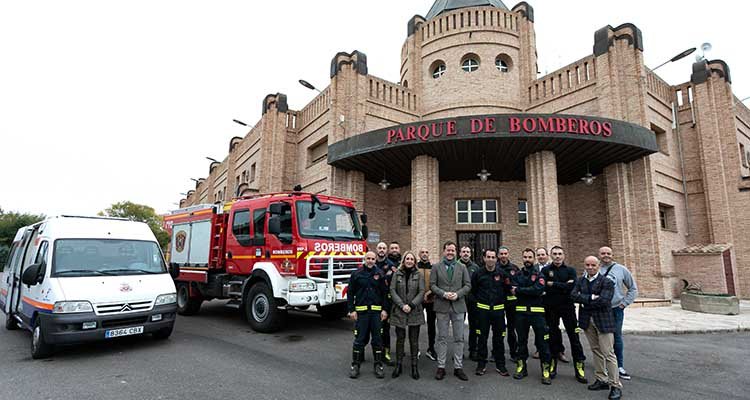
694	191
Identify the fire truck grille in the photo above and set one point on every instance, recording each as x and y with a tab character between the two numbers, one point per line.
342	268
122	308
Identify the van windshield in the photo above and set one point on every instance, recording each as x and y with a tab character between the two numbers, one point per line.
334	223
90	257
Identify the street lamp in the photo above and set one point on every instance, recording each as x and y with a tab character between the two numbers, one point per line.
384	183
483	174
308	85
588	179
675	58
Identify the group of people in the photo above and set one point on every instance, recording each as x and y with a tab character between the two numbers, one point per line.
501	299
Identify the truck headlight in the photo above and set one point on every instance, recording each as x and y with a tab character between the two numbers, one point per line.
301	286
69	307
168	298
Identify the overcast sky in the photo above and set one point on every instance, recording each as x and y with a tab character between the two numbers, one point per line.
105	101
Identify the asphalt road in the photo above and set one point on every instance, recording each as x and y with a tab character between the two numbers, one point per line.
215	355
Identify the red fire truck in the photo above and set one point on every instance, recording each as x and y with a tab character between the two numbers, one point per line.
267	254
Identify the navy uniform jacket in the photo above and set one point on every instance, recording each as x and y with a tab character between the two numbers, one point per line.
490	288
559	292
367	288
529	287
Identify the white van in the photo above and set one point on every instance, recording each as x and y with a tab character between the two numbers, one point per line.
77	279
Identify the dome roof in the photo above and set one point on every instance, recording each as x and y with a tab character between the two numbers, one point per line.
441	6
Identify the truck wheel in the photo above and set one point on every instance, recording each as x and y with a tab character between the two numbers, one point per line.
10	322
332	312
39	348
163	333
187	305
261	309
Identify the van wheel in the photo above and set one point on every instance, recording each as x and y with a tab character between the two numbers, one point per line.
332	312
163	333
10	322
39	348
261	309
187	305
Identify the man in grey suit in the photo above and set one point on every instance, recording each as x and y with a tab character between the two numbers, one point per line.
450	281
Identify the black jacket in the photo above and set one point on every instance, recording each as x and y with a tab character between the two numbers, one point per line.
367	287
529	287
472	267
559	292
510	270
601	308
490	288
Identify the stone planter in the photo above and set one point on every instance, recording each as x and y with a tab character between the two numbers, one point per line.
723	304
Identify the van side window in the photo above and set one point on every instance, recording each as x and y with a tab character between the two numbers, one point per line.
259	225
41	258
241	227
11	255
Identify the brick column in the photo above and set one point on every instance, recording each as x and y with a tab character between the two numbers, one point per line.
543	203
425	205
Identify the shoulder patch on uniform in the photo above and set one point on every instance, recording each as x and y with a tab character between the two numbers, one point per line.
497	277
533	277
541	281
376	276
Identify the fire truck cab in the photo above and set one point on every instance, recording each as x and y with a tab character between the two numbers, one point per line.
268	254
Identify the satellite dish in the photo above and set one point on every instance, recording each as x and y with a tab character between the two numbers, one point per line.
706	47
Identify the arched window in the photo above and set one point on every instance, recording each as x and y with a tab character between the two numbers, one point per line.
438	69
503	63
470	63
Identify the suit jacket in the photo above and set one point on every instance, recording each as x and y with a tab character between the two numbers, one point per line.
600	309
440	284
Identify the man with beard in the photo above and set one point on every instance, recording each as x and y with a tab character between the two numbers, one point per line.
450	283
510	269
393	260
489	287
471	303
385	263
425	267
528	286
560	279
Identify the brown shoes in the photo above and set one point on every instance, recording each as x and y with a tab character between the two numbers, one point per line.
562	358
440	374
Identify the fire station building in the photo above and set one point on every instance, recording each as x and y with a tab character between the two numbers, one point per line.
473	145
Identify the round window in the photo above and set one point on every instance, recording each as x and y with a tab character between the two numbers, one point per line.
503	63
438	69
470	64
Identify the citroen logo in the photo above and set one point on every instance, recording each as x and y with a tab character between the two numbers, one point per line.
125	308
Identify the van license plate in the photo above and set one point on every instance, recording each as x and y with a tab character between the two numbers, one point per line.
123	332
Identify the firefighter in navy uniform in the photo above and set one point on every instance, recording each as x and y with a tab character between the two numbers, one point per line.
489	286
559	282
510	269
367	305
528	286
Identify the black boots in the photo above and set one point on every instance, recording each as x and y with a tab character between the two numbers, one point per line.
356	360
552	368
520	370
399	367
580	372
378	365
545	374
615	393
415	367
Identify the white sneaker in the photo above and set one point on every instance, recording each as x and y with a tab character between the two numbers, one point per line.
624	374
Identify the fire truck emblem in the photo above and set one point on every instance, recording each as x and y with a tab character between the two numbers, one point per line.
551	274
179	241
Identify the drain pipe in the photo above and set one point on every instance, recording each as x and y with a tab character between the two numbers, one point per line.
676	127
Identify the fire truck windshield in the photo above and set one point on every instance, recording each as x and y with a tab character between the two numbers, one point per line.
334	223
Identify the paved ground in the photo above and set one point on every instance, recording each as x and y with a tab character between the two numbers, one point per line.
216	356
666	320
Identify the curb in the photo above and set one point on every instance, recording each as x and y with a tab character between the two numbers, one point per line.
685	331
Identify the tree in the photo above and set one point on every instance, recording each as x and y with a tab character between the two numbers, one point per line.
140	213
10	222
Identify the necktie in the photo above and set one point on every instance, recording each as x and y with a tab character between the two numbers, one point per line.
450	272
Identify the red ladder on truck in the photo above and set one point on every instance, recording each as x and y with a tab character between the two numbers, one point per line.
218	241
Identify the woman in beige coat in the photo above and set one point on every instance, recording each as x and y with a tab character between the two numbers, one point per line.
407	294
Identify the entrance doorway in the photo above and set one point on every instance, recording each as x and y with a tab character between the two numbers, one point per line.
478	241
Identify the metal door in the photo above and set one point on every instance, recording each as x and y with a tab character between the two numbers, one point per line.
478	241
